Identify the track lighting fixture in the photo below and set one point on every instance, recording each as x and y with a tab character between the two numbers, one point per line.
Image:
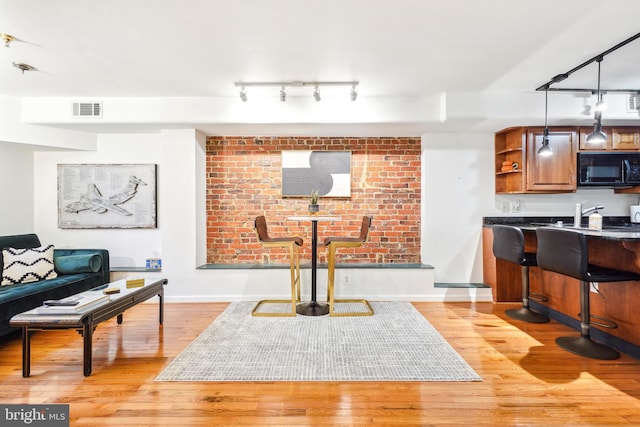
283	85
597	136
23	67
8	38
545	150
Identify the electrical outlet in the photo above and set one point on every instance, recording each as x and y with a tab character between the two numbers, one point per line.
346	278
505	207
515	206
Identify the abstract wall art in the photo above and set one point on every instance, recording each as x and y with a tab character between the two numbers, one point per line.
329	172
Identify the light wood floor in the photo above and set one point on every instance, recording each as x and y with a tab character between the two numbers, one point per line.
527	379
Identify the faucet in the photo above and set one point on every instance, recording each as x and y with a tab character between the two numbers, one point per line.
577	218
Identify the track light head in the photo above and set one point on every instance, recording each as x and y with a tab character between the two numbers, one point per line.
354	93
316	94
283	95
545	150
243	94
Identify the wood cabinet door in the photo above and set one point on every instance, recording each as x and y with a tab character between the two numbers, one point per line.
556	172
601	146
625	139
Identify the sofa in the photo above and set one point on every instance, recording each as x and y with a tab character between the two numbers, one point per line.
33	273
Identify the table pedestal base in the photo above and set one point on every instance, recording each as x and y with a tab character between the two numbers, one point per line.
312	309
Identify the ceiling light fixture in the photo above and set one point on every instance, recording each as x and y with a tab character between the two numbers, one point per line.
24	67
8	38
545	150
283	85
597	136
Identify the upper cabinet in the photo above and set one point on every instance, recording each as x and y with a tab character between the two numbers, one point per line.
618	139
529	172
556	172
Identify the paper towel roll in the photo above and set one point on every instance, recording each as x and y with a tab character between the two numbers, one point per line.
634	213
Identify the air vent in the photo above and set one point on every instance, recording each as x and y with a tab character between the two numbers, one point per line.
87	109
633	103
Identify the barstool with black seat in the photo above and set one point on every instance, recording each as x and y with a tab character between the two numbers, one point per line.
508	244
333	243
566	252
293	244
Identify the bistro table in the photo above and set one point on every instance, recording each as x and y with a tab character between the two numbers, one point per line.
313	307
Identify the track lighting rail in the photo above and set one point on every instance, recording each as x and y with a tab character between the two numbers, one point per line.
297	83
597	58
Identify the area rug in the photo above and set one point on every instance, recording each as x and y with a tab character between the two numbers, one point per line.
395	344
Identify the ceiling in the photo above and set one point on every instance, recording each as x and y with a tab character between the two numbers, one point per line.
400	49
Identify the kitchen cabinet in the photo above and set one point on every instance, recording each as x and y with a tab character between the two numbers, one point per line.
625	139
618	139
601	146
556	172
509	160
530	173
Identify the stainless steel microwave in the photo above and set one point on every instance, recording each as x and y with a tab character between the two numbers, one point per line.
608	169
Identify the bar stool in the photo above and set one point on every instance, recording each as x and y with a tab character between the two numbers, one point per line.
293	244
333	243
566	252
508	244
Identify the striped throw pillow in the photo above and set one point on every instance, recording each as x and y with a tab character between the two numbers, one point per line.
27	265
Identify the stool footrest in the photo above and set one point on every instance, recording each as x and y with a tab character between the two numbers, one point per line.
257	313
368	312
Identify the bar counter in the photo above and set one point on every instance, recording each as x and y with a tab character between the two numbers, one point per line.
617	245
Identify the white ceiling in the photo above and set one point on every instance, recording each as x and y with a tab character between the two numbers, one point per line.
395	48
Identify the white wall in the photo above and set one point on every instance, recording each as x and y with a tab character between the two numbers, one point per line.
16	176
459	190
457	171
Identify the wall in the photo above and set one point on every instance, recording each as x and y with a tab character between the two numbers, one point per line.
244	180
458	192
16	174
180	237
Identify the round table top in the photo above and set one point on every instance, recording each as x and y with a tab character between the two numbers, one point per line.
313	218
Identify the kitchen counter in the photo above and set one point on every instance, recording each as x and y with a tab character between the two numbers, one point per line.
613	228
617	245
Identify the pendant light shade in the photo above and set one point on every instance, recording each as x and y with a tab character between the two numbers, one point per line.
597	136
545	150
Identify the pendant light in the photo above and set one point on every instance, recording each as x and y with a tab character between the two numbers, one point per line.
597	136
545	150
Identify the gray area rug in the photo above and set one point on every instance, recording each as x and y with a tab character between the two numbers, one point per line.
395	344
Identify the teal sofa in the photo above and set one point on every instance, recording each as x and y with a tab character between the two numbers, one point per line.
78	270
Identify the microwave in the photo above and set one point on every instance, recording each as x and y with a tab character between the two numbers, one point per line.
607	169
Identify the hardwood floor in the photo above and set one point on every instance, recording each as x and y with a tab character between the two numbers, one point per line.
527	379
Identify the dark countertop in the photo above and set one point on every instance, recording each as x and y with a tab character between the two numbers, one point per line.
613	227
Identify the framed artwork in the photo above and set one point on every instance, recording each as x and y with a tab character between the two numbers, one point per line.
329	172
107	196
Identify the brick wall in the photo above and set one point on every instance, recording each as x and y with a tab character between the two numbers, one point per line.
244	180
